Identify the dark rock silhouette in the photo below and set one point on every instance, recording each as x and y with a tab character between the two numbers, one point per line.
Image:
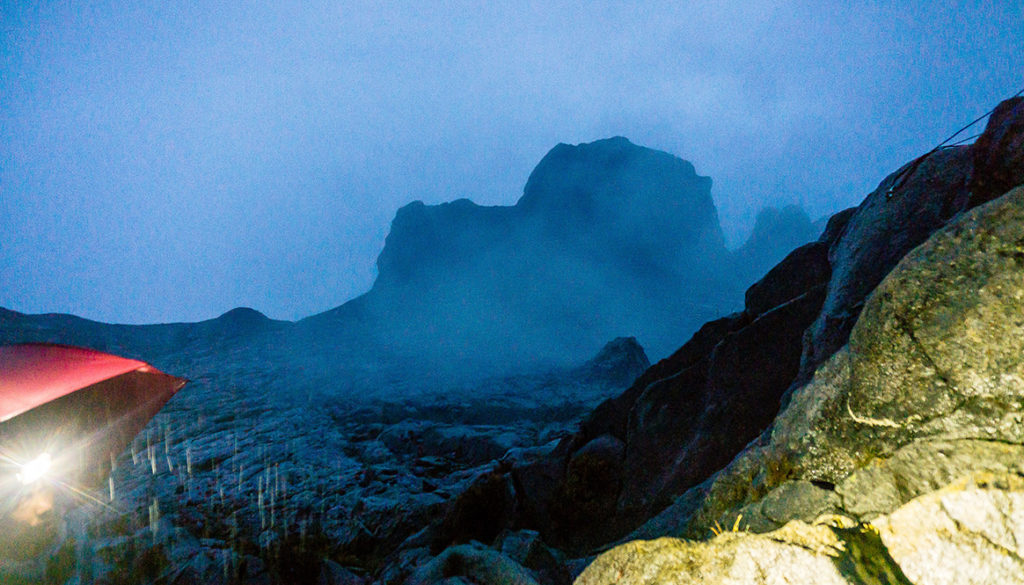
998	155
803	269
618	363
776	232
159	342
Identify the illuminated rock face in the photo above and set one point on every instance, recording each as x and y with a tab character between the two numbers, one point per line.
963	534
887	226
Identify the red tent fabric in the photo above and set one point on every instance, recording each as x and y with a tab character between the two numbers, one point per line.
32	374
87	403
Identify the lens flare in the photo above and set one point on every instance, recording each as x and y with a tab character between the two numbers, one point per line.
35	469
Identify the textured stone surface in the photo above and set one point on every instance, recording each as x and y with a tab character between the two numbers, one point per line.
792	500
919	468
663	422
480	512
927	194
936	353
480	565
748	374
970	532
584	502
931	384
797	554
612	415
940	348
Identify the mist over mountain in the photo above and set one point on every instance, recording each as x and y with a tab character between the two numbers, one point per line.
608	239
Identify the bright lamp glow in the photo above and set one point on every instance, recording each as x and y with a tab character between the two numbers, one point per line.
35	469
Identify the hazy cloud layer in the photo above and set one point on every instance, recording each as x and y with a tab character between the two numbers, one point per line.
164	163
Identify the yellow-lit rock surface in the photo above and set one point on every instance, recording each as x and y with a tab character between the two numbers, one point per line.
969	533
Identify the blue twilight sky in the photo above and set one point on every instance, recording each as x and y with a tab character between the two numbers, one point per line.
167	161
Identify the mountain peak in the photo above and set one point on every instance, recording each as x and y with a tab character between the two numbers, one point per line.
243	315
604	237
612	168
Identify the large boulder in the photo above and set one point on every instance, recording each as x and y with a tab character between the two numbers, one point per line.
585	500
937	352
612	415
794	554
528	549
905	209
748	373
675	437
480	512
967	533
930	386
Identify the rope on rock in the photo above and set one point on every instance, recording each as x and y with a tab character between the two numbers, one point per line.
905	174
